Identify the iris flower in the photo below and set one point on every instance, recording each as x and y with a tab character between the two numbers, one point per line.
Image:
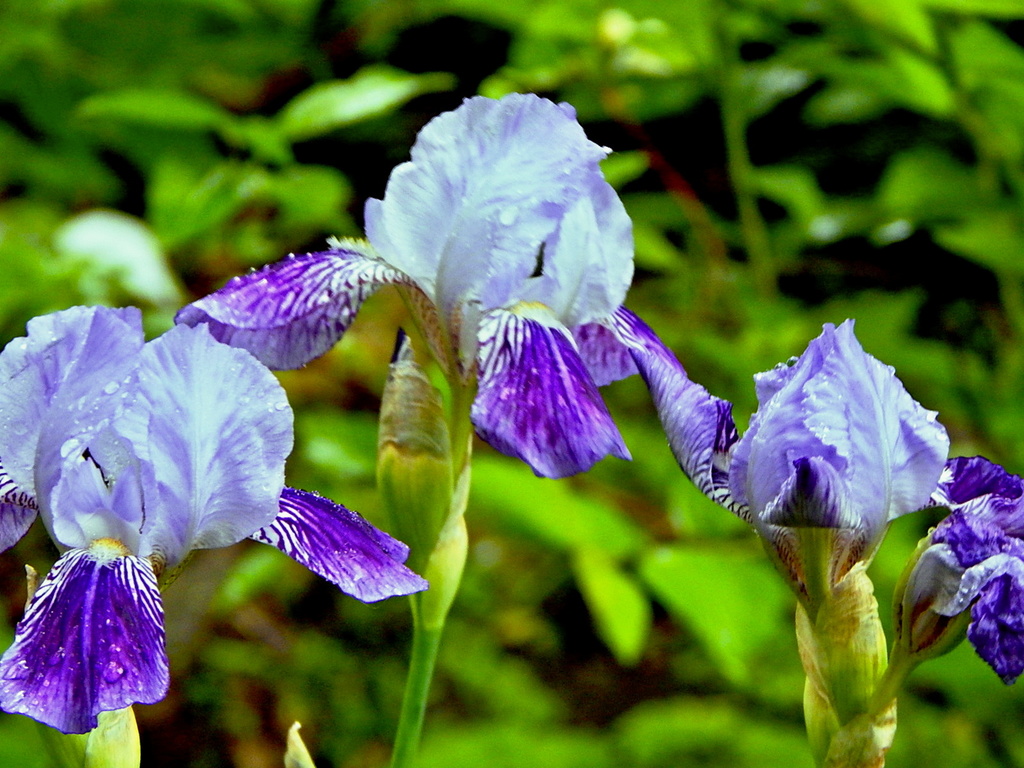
975	560
836	443
133	454
514	255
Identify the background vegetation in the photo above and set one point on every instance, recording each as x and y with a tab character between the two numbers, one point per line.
786	163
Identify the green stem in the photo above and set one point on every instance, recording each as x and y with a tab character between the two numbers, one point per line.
425	643
741	169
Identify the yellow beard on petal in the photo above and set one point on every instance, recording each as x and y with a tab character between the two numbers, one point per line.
106	550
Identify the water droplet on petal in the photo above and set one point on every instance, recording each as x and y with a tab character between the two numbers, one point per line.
113	672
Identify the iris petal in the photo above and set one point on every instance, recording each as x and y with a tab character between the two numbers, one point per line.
341	546
219	428
997	623
487	184
92	640
292	311
17	511
536	400
49	382
699	426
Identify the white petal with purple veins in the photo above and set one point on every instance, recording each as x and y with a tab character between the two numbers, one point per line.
341	546
536	400
92	640
292	311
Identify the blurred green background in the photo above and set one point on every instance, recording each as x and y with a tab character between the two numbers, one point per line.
786	163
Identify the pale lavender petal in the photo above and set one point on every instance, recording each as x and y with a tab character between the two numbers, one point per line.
219	430
17	511
292	311
587	265
92	640
844	406
487	186
536	400
52	384
813	496
339	545
699	426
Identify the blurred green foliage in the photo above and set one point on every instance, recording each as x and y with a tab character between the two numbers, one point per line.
786	163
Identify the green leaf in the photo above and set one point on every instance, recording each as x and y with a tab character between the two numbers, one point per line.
992	238
620	609
732	601
550	510
156	107
371	92
1009	9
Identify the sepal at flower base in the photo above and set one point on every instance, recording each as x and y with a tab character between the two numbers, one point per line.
113	743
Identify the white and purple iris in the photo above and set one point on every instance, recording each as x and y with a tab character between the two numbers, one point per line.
133	454
975	560
516	255
836	443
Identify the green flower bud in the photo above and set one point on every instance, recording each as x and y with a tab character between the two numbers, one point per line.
414	464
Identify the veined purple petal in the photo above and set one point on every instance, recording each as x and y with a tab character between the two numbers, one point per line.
219	428
292	311
470	216
606	357
52	386
813	496
17	511
699	426
997	623
92	640
980	488
341	546
536	400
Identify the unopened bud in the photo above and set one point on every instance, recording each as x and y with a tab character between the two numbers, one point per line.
414	465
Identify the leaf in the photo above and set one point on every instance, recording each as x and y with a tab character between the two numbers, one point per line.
373	91
156	107
731	601
991	238
122	247
549	509
620	609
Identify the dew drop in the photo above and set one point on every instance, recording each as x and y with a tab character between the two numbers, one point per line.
507	217
113	672
111	388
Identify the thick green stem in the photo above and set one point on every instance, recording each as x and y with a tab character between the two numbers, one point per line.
425	643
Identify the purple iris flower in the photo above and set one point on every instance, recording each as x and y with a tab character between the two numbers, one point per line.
515	256
836	443
133	454
976	560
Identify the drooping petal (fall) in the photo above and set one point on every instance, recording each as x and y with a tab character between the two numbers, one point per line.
336	543
536	400
92	640
699	426
296	309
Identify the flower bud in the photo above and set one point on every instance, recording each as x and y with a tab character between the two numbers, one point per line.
414	464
